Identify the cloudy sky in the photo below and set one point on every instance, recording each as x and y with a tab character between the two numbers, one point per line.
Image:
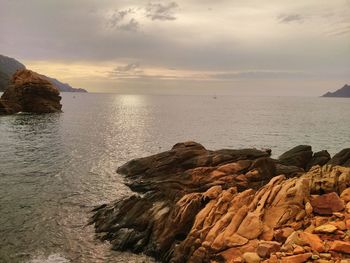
249	47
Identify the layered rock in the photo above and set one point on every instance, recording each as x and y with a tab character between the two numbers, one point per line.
196	205
29	92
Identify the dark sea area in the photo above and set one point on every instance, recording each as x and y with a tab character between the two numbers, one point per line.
55	168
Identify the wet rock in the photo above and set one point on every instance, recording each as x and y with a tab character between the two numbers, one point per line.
327	204
30	92
298	156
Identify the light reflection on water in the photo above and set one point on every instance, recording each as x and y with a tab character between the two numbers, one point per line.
55	168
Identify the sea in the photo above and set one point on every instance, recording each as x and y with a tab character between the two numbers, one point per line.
55	168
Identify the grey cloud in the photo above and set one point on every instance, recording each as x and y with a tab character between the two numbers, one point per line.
120	19
158	11
129	70
132	25
288	18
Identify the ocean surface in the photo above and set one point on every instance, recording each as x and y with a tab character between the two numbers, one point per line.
55	168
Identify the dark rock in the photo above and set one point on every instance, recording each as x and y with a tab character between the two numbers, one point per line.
298	156
28	92
343	92
341	158
288	171
319	158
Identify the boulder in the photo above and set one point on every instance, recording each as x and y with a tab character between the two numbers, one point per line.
341	158
319	158
29	92
327	204
298	156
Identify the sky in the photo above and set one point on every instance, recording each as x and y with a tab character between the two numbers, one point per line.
243	47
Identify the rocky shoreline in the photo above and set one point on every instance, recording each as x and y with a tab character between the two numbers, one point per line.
196	205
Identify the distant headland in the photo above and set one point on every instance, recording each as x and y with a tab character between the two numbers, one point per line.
344	92
8	66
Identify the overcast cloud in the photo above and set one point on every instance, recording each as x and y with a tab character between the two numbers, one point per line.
253	45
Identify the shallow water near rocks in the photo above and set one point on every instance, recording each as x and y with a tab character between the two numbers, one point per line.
55	168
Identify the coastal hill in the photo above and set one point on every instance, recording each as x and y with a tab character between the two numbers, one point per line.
8	66
344	92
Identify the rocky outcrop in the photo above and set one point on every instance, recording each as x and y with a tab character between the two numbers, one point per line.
196	205
29	92
344	92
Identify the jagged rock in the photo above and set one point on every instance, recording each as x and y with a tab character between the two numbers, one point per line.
298	156
328	178
28	92
327	204
177	185
341	158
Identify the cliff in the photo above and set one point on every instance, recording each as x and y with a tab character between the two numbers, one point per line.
8	66
344	92
196	205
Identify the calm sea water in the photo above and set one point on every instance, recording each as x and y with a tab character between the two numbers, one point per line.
55	168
